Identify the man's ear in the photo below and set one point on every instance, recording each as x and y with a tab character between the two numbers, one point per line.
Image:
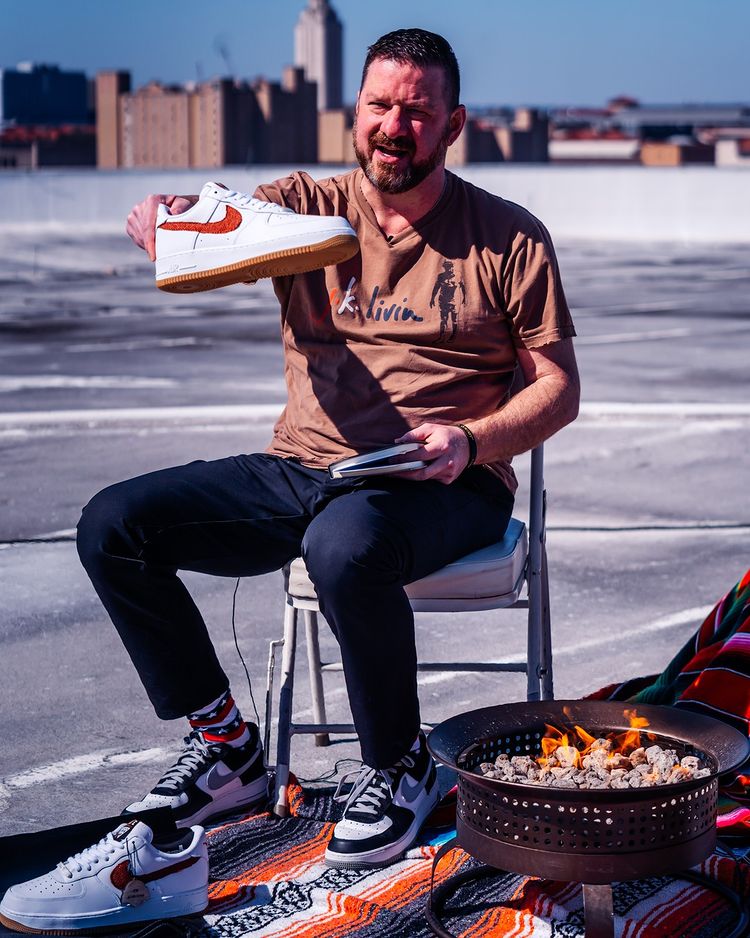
456	123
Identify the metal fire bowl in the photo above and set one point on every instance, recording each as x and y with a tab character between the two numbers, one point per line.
592	836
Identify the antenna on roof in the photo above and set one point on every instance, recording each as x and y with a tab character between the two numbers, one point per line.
222	48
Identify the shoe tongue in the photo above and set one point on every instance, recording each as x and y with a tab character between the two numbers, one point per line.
134	828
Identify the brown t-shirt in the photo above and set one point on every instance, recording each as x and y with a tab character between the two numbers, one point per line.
421	327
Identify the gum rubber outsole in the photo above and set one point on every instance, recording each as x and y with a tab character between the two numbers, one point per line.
95	930
276	264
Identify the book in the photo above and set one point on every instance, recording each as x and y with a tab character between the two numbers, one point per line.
378	463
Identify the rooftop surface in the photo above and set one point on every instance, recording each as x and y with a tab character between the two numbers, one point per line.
103	377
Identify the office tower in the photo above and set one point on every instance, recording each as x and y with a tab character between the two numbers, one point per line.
318	49
42	95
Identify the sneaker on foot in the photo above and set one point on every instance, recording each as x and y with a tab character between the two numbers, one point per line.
228	237
384	811
209	780
124	879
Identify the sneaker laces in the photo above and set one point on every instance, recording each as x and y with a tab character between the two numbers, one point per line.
100	852
257	205
196	755
373	789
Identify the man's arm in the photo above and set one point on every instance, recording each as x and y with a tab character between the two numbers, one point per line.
546	404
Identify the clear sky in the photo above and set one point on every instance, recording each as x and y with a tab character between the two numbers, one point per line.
510	51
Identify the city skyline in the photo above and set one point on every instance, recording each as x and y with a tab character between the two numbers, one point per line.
580	52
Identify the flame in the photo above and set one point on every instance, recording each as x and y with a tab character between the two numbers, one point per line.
583	742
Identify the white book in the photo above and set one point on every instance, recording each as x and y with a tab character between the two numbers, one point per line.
377	463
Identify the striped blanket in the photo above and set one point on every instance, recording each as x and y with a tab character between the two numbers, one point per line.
709	674
269	878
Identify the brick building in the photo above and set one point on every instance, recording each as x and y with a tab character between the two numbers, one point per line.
214	123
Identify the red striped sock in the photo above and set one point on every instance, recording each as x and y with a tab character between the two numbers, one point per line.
221	722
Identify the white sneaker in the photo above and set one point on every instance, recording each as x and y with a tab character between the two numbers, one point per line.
228	237
124	879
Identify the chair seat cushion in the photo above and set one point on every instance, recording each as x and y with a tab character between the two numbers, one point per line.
494	572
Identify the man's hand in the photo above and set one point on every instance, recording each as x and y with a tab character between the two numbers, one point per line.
444	446
141	225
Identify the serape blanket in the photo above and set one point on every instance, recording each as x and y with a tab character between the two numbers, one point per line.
710	674
269	877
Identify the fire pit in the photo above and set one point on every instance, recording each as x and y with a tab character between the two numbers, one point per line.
592	836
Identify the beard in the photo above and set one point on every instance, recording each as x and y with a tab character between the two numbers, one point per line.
392	179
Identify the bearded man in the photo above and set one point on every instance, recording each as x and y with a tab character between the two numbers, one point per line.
415	339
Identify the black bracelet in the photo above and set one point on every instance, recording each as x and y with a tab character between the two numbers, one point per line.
472	445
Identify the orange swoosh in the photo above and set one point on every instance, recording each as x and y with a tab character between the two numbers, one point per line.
230	222
122	874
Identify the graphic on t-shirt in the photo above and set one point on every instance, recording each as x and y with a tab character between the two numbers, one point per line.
445	291
378	309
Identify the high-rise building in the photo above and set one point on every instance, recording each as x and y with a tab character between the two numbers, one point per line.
318	49
43	95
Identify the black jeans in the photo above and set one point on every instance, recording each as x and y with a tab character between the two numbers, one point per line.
250	514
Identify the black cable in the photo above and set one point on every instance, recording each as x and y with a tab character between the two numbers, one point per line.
331	773
237	646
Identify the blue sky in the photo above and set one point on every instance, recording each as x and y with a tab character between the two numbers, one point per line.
510	51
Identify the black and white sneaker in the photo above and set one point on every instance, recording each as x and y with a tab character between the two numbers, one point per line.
384	811
209	780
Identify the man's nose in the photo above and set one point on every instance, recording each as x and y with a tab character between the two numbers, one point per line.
393	123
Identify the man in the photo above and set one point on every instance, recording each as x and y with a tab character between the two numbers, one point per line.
417	338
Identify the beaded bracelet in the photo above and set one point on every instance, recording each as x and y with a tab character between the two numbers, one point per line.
472	445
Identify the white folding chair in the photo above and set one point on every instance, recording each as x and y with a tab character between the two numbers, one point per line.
495	577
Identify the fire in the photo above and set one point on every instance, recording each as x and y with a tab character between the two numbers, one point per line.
582	742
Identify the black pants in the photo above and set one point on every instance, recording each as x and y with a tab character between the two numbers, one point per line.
246	515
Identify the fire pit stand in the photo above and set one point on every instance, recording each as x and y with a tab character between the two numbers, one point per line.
592	836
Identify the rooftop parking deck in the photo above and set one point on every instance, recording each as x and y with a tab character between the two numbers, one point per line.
103	377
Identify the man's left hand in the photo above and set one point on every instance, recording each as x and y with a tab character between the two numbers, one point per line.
445	447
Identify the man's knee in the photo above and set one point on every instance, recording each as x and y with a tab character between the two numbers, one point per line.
345	556
103	527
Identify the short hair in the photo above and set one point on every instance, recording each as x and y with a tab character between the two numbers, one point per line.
418	47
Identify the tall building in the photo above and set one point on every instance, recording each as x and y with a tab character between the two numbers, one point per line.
42	95
318	49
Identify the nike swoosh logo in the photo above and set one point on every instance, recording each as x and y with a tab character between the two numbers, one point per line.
410	789
216	779
230	222
121	875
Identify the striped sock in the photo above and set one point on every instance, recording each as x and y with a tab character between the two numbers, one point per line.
221	722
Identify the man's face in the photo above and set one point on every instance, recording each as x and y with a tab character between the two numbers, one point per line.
403	125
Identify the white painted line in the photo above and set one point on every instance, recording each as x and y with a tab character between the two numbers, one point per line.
695	615
254	412
618	337
54	382
664	409
136	344
77	765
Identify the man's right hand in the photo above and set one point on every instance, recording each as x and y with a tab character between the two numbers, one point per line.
141	225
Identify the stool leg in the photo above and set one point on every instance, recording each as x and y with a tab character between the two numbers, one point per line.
316	675
286	697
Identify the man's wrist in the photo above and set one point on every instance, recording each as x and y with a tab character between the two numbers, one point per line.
472	445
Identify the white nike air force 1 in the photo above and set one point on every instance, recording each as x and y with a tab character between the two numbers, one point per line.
228	237
120	881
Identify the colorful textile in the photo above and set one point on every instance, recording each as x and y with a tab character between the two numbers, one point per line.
711	675
269	880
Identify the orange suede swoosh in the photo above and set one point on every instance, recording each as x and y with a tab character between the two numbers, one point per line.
230	222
